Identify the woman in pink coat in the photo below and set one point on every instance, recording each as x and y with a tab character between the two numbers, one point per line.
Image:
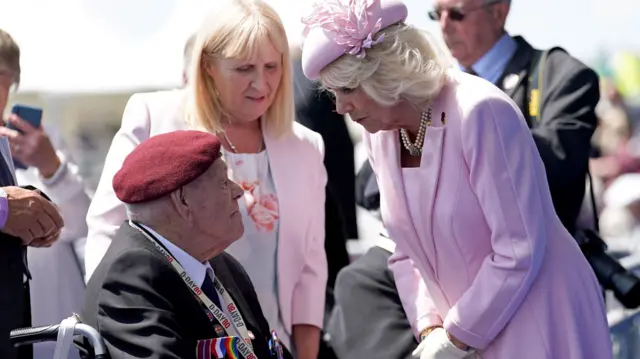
488	270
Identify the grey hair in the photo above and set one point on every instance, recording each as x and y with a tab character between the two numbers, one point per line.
148	212
406	65
136	212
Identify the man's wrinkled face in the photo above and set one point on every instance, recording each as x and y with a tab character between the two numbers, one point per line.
213	199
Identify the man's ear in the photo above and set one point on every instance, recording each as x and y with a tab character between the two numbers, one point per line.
181	204
499	13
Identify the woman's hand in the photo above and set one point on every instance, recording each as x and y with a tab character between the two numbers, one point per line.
438	345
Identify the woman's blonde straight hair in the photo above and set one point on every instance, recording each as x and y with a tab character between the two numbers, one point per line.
235	29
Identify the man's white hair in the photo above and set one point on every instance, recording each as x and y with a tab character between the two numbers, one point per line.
148	212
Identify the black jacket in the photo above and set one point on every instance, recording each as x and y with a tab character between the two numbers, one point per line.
143	309
14	293
569	94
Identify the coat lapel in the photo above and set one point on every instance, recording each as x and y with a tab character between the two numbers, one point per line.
6	172
430	165
130	237
394	207
224	275
283	171
518	66
282	168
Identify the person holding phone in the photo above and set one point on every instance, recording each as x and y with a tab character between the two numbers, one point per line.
31	146
57	284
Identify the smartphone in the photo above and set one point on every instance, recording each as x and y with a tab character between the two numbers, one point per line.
32	115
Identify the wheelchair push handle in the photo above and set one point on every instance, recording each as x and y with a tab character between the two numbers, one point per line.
26	336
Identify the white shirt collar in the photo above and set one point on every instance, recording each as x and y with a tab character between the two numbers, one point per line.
195	269
383	241
491	66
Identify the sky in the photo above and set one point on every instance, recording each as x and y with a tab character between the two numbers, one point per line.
114	45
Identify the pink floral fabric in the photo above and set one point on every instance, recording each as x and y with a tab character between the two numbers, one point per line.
261	208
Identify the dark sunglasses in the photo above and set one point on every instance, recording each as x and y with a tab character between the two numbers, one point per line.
457	13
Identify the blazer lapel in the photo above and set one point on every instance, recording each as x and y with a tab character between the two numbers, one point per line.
281	171
287	186
430	165
518	66
130	237
394	206
223	274
6	172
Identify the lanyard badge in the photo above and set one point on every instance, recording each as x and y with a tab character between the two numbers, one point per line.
237	324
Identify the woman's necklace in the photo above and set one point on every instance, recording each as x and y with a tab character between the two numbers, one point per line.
415	149
233	147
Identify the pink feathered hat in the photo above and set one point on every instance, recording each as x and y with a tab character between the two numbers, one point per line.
339	27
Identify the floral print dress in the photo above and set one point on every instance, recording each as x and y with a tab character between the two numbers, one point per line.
257	249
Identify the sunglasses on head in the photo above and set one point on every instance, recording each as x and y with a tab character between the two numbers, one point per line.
458	13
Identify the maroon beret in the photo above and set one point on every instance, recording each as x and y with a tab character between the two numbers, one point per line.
165	163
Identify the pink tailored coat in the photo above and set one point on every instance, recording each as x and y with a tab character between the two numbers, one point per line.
480	249
299	176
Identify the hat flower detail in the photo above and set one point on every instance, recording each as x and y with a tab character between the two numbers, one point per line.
351	23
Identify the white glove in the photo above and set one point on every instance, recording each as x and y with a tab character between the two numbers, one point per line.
438	346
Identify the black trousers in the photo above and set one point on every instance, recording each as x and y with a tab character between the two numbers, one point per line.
15	308
368	320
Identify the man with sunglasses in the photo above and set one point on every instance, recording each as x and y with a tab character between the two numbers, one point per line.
556	93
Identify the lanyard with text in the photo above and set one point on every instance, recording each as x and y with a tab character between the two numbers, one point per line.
244	346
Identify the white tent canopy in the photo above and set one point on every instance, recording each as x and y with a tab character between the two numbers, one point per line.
113	45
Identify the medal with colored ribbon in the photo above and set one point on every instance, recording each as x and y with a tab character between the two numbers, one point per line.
243	346
219	348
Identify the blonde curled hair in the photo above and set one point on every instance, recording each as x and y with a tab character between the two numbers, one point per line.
235	29
406	65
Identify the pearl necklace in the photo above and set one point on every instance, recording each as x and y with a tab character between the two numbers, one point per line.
415	149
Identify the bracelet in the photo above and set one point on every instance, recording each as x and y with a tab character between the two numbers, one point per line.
427	331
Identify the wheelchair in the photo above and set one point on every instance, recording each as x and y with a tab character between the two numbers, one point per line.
64	334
